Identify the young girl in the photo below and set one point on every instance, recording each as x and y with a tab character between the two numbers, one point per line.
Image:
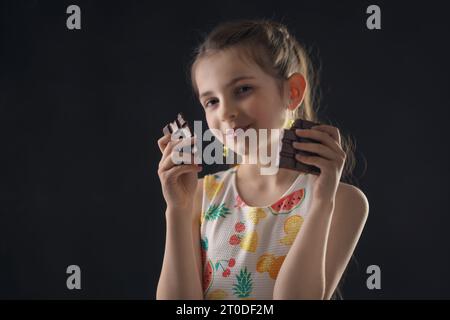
239	234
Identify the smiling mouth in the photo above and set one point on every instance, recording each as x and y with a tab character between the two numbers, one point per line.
233	132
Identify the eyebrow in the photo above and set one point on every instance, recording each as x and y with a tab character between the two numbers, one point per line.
207	93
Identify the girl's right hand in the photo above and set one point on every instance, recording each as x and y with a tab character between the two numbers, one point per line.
179	182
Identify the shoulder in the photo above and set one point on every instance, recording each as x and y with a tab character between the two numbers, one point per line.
208	178
351	202
213	183
210	184
348	191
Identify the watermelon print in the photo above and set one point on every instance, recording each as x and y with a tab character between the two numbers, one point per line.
208	270
204	248
208	276
288	203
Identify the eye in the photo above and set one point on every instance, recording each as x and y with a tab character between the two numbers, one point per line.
243	89
208	102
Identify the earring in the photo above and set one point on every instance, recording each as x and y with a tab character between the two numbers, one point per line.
288	123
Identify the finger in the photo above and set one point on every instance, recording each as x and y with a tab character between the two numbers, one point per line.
177	171
168	149
186	144
318	148
170	146
332	131
184	150
176	159
319	162
163	141
336	135
319	136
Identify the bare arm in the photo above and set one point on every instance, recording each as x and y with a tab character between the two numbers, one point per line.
181	270
349	218
302	274
322	249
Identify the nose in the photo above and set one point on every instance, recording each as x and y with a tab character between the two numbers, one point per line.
228	111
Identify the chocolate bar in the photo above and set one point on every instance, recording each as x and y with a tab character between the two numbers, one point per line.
287	153
179	129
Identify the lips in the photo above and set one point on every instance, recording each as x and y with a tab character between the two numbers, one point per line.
232	132
243	128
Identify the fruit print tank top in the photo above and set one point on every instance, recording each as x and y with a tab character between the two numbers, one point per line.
243	247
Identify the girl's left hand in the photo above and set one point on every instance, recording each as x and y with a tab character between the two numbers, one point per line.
331	159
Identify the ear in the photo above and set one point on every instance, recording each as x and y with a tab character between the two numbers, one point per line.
297	89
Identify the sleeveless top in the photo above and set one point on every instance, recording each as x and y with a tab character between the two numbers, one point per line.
243	247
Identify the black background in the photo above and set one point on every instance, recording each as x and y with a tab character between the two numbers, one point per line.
81	111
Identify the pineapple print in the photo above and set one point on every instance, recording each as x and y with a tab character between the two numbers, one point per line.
244	285
256	214
212	186
214	212
292	226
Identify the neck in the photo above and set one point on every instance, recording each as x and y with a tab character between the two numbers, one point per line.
252	172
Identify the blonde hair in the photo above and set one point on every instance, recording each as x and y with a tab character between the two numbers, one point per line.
270	45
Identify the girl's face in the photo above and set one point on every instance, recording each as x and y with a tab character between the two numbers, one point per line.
236	93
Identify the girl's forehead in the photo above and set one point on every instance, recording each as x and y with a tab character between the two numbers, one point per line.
224	60
224	65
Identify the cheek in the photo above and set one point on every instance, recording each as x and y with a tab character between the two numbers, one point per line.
266	115
254	107
213	123
265	107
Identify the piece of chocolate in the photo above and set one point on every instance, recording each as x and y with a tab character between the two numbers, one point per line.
179	129
166	130
303	124
173	127
180	120
289	135
287	151
286	154
288	163
288	147
300	166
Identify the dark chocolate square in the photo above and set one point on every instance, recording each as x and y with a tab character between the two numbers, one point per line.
289	134
288	152
180	128
287	162
287	147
